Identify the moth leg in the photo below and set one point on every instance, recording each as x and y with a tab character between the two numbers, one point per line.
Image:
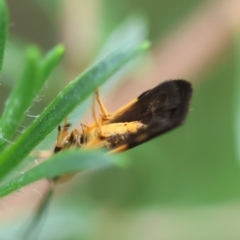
101	135
62	133
84	126
58	146
84	134
41	154
66	126
97	121
121	148
104	111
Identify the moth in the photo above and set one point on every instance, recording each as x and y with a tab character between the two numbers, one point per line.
154	112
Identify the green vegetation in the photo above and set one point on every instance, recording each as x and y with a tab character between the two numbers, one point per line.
178	186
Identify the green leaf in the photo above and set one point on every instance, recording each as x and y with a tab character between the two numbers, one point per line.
21	97
63	163
38	216
26	89
75	93
3	29
131	32
237	90
50	61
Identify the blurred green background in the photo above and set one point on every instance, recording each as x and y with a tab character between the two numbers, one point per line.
183	185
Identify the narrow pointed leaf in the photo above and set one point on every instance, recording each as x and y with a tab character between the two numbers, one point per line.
3	30
75	93
49	62
63	163
26	89
21	98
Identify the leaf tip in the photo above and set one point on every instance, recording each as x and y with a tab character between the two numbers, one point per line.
60	49
33	52
145	45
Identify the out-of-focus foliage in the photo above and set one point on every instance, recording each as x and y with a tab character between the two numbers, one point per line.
183	185
162	15
195	164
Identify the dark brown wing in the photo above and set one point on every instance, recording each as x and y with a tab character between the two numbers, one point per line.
160	109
